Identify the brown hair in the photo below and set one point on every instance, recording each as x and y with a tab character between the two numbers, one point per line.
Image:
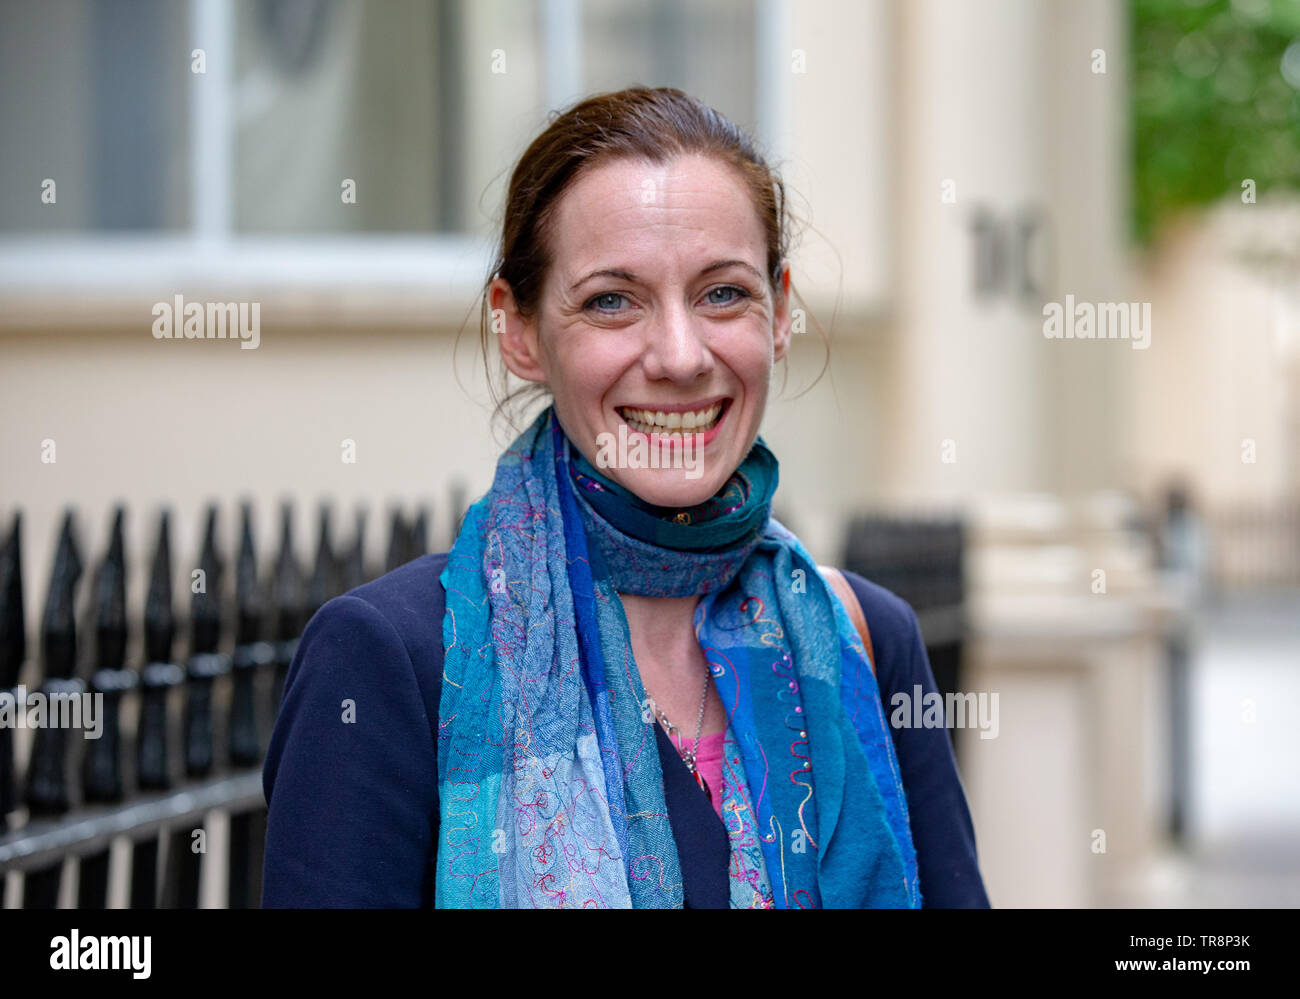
654	124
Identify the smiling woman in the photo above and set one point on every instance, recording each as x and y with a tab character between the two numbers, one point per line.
506	695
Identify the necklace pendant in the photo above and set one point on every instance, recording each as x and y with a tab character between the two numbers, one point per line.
699	779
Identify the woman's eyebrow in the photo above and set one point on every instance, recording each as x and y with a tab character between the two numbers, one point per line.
732	263
613	272
626	275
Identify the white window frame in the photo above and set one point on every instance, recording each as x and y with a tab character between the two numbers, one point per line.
98	279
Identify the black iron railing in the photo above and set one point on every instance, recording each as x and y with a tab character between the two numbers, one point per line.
175	746
1254	546
923	561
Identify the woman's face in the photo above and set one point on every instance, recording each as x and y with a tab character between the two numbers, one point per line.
655	312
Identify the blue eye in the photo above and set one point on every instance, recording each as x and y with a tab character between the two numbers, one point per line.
739	294
604	297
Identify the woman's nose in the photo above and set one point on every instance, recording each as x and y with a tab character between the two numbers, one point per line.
677	350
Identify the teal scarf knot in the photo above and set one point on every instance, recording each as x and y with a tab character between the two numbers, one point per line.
548	770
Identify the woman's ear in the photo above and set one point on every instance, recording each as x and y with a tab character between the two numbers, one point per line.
516	335
781	315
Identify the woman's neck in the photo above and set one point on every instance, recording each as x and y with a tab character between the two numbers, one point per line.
664	626
672	665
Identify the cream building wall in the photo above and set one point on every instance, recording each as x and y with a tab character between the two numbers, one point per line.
1223	376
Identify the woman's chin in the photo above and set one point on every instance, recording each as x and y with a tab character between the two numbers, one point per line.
671	487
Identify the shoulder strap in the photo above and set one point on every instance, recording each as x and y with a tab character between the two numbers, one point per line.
850	600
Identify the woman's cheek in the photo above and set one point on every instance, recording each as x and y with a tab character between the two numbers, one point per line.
754	333
755	357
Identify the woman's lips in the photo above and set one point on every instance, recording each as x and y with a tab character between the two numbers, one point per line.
677	439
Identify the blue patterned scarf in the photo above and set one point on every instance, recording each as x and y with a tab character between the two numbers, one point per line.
548	767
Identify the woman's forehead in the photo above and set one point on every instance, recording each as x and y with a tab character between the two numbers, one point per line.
688	207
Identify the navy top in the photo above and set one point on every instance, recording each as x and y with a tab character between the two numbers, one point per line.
351	772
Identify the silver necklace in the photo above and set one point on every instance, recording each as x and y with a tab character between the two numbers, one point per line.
688	755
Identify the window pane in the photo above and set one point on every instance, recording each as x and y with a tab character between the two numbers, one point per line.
93	97
504	101
704	47
365	117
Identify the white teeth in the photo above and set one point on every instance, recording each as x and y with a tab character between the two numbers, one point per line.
656	421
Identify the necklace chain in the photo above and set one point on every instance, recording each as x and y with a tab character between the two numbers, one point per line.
688	755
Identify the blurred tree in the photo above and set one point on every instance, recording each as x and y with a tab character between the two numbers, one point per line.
1216	101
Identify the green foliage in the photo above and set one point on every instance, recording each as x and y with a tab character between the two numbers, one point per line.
1212	105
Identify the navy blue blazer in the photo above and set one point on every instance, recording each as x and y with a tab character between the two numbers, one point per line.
353	804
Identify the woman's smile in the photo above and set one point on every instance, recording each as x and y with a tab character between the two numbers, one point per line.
669	425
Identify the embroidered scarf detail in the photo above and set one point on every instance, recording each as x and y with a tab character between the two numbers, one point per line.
548	769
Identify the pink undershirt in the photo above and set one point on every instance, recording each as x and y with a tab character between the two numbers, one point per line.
709	764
